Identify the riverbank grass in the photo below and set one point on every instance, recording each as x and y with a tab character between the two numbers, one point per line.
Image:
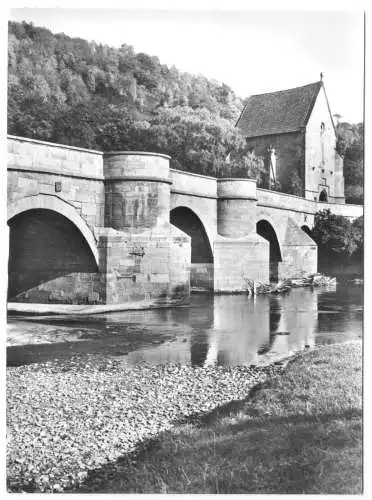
300	432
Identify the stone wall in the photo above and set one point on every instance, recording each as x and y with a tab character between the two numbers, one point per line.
151	267
72	174
236	207
324	167
86	195
238	258
299	253
193	184
137	190
24	153
298	261
299	208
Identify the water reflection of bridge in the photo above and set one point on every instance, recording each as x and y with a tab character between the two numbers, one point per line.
275	324
236	329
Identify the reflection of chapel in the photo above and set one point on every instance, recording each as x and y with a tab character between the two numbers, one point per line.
294	130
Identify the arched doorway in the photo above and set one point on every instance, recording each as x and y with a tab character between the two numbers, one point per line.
266	230
46	253
323	197
201	252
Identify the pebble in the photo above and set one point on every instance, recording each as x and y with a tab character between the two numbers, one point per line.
66	419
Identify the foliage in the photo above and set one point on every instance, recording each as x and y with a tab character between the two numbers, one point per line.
85	94
199	141
358	232
67	70
294	184
350	145
336	235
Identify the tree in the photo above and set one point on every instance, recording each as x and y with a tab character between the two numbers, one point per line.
358	232
200	141
350	145
31	117
336	236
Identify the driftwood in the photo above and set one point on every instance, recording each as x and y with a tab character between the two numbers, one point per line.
257	288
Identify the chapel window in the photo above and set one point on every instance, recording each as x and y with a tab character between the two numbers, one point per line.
322	128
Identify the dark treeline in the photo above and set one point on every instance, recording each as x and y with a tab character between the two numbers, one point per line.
71	91
340	241
350	144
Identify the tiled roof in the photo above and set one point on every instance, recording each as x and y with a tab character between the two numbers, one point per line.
278	112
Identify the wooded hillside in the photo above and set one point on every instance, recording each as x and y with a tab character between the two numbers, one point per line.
71	91
85	94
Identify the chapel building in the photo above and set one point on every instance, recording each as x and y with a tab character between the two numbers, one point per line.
294	131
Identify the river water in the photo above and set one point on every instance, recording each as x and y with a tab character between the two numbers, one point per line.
223	329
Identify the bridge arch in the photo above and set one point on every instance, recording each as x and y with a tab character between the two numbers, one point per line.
189	222
51	250
55	204
201	250
267	231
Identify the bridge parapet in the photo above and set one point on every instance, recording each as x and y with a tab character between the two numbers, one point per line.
47	157
284	201
350	211
193	184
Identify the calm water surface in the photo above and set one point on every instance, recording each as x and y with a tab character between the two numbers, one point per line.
225	330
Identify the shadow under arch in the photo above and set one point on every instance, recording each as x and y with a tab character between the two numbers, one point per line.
45	245
187	221
266	230
308	231
55	204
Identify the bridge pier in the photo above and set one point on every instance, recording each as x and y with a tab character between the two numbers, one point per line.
239	252
143	258
151	267
299	253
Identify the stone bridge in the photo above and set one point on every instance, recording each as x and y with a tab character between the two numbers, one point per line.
88	227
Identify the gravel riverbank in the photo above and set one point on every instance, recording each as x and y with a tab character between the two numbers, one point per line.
64	420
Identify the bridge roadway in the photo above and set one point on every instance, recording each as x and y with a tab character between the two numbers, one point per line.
88	227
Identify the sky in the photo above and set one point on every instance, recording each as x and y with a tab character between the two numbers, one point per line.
251	51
